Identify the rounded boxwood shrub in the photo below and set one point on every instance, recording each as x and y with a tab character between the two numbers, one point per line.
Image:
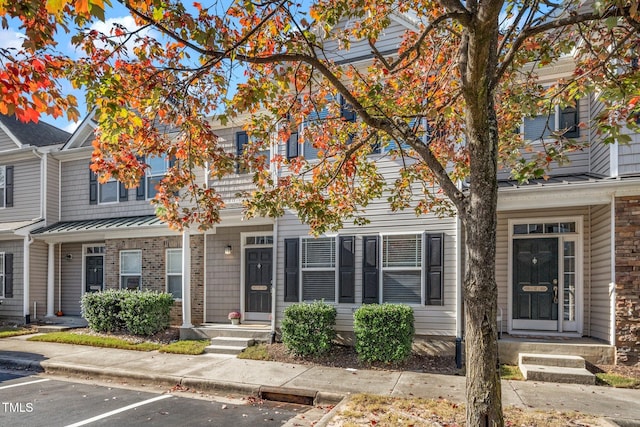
146	312
308	328
383	332
102	310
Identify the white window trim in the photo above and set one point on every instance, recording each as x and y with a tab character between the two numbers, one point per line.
138	251
335	269
421	268
117	200
3	200
167	273
578	237
150	174
2	275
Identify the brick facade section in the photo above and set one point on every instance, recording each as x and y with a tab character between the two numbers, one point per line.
153	269
627	236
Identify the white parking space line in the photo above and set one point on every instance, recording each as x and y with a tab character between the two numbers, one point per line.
117	411
21	384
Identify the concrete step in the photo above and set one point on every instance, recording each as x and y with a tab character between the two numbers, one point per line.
551	360
229	345
557	374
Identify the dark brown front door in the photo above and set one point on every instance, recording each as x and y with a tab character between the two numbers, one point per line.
535	282
94	273
258	280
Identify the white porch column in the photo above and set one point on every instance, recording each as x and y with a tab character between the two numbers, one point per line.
51	279
186	279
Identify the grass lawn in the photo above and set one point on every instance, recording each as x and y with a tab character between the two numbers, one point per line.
615	380
14	332
510	372
255	352
178	347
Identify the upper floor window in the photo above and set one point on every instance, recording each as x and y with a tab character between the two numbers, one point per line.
131	269
158	167
109	191
6	186
174	272
242	141
563	120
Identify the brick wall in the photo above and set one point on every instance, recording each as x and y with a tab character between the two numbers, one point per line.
628	280
153	269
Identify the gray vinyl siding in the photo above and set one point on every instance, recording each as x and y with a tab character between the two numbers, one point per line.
600	153
6	143
600	296
75	197
502	253
229	186
70	272
429	319
53	193
26	191
38	279
11	308
222	280
629	156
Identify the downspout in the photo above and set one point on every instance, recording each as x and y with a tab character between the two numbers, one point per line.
459	273
43	187
612	284
274	281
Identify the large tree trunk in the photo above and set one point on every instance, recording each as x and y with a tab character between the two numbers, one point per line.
478	62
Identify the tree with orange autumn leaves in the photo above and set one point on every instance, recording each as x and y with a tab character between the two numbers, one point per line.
445	104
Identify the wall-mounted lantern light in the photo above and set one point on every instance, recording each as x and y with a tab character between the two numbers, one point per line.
227	250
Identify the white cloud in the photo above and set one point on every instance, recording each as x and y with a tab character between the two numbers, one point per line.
107	27
10	39
71	127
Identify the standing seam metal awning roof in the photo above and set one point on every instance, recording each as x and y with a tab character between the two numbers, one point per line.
100	224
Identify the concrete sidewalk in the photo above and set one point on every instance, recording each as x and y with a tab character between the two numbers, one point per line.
211	373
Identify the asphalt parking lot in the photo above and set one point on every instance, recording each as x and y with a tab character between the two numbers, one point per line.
36	400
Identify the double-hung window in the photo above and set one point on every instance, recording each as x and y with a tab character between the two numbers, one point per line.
174	272
242	142
108	191
318	269
6	186
402	268
563	120
131	269
158	166
2	276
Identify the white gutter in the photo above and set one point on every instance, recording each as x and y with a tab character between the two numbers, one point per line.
274	280
43	186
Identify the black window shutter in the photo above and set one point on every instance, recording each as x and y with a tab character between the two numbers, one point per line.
8	186
569	121
370	270
346	111
241	140
141	192
434	262
347	269
8	275
292	145
291	268
124	192
93	188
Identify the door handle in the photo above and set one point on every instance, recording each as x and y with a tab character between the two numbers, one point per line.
555	294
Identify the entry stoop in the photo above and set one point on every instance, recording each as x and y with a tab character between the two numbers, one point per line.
229	345
555	368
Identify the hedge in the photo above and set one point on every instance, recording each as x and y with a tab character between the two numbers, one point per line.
308	329
384	332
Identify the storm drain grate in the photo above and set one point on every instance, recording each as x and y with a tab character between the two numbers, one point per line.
290	395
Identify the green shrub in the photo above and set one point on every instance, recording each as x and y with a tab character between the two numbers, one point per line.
138	312
383	332
102	310
308	329
146	312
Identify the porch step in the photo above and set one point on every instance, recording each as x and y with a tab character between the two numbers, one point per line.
555	368
258	332
229	345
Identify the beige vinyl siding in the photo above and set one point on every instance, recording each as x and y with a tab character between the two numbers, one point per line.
229	186
75	197
6	143
26	191
38	279
53	193
70	270
429	319
12	307
223	271
502	250
629	156
600	255
600	153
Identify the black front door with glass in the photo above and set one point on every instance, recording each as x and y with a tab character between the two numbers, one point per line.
258	280
94	274
535	282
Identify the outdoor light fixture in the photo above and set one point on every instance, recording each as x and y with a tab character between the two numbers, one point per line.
69	257
227	250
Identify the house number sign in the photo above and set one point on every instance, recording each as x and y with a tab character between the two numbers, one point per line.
258	287
535	288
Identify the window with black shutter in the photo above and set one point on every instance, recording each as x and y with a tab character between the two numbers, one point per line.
370	270
8	186
93	188
346	269
434	264
291	269
6	275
